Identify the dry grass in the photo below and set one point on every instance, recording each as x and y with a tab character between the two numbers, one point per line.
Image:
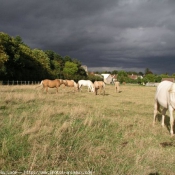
78	131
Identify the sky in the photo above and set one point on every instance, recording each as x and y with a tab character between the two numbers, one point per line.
104	35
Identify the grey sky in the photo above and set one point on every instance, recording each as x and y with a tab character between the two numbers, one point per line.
129	35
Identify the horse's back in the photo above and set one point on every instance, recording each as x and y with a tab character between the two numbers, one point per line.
162	93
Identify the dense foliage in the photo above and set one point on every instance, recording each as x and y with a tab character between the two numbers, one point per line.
19	62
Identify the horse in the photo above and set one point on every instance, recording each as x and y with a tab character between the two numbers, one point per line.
51	84
87	83
117	86
165	98
99	85
71	83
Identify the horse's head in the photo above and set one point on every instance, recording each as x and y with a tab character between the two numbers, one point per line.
65	82
93	89
76	86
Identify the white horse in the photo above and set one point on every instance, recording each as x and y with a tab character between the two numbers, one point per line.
87	83
165	97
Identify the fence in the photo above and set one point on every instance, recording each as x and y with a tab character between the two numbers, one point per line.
19	82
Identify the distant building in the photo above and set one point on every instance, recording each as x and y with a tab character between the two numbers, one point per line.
108	78
135	77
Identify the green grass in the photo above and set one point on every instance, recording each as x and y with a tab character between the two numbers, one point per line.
78	131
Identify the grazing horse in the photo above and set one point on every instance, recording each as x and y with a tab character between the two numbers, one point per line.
51	84
87	83
165	97
99	85
71	83
117	86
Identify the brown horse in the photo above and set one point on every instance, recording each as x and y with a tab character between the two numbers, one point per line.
99	85
51	84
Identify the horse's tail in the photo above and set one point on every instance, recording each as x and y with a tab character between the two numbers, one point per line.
39	85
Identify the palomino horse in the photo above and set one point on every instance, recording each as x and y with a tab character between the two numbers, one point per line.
51	84
117	86
99	85
71	83
87	83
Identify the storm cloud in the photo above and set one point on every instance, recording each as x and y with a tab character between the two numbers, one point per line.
129	35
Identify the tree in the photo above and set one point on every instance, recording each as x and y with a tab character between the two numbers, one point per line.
150	77
56	69
18	40
141	73
70	69
147	71
122	76
114	72
145	80
67	58
139	80
3	56
158	79
42	57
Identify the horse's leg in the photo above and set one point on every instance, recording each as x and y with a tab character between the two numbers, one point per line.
95	91
43	89
92	88
103	91
80	87
89	88
171	119
163	116
155	112
100	91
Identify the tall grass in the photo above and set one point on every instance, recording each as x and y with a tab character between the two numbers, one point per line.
78	131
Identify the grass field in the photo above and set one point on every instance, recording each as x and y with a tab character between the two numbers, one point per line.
78	132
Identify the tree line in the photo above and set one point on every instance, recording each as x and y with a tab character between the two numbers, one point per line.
19	62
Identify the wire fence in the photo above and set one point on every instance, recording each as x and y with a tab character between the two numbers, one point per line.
9	82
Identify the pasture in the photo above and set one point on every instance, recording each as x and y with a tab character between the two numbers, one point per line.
78	131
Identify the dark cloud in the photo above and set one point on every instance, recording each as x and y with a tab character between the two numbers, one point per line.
102	34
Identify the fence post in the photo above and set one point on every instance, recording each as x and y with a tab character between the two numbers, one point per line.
17	82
